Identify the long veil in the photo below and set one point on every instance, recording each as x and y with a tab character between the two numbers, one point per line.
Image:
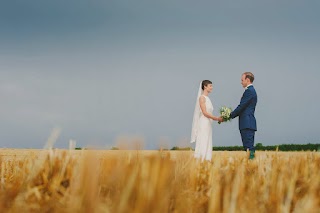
196	116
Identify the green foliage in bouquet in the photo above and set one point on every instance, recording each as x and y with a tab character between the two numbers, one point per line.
225	113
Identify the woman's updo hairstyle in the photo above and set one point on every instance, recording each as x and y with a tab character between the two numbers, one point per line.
205	83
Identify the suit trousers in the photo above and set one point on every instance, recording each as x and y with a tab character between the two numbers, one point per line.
247	136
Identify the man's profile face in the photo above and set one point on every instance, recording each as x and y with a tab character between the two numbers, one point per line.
244	81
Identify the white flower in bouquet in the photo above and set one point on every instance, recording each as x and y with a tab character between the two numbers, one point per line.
225	113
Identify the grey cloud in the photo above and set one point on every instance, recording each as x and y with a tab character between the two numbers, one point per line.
134	69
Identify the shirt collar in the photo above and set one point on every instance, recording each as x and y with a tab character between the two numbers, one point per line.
249	86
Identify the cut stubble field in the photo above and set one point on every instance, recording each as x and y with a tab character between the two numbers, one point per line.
157	181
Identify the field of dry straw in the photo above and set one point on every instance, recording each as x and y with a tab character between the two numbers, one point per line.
157	181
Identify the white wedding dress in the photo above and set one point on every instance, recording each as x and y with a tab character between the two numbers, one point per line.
203	138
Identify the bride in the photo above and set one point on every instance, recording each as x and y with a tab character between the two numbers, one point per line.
202	122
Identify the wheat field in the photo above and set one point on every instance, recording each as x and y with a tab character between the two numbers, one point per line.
157	181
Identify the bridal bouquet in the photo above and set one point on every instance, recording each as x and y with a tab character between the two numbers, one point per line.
225	113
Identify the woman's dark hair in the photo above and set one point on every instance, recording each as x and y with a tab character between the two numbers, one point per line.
205	83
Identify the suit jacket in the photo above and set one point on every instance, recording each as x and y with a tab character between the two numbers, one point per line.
246	109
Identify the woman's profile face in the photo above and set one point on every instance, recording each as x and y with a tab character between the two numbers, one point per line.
209	88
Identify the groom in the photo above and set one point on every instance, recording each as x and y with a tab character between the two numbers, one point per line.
245	111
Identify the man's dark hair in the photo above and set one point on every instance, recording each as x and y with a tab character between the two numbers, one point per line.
249	75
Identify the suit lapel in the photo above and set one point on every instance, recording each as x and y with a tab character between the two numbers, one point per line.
245	91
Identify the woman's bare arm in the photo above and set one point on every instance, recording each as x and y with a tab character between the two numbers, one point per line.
202	101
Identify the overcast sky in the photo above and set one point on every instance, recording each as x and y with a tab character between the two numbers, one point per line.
103	69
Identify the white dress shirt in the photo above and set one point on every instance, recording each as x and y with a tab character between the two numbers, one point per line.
249	86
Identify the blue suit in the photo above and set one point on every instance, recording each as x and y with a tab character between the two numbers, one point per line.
247	121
